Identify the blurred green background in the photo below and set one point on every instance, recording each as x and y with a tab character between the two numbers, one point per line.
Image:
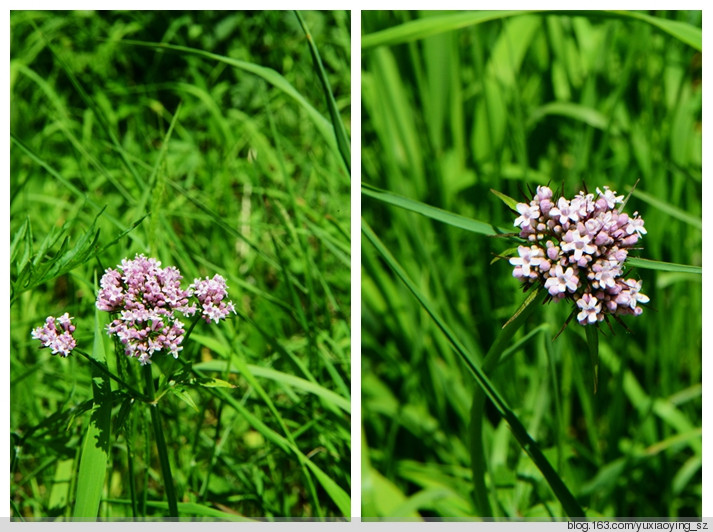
224	151
454	104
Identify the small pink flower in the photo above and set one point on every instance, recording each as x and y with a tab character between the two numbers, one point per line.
561	280
578	242
529	257
210	294
591	309
528	214
610	197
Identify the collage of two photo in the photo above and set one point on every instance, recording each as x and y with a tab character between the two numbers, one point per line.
355	266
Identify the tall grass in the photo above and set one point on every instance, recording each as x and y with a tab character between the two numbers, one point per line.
457	104
215	142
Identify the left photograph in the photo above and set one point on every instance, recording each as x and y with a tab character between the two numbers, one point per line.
180	265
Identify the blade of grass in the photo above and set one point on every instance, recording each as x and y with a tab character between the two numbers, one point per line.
243	369
334	491
193	509
150	191
669	209
96	109
435	213
339	130
426	27
593	348
78	193
663	266
477	411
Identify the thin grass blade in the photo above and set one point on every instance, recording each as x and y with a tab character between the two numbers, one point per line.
339	130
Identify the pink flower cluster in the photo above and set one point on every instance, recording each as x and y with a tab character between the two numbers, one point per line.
148	300
210	294
577	251
60	340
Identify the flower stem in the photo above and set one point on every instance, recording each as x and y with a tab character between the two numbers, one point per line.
191	327
161	445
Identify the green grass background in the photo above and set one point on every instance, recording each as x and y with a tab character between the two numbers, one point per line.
454	104
225	153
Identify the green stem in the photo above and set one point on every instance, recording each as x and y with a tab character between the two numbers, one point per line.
161	445
191	327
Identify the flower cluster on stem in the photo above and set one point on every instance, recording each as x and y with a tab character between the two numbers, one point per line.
149	301
56	334
576	249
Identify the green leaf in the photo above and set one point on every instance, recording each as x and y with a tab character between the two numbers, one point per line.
507	200
339	131
285	379
334	491
435	213
428	26
569	503
184	396
518	318
214	383
662	266
685	33
97	439
268	74
576	111
669	209
195	509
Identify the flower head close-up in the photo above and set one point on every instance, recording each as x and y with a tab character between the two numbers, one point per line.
148	301
577	248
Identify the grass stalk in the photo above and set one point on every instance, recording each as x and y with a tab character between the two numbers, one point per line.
161	444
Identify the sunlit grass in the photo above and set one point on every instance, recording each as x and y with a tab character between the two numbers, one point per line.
455	105
212	142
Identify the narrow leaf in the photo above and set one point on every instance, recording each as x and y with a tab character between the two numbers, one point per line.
429	211
97	438
184	396
663	266
507	200
669	209
339	131
429	26
519	312
214	383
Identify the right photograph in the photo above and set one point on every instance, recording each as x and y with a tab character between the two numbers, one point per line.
531	265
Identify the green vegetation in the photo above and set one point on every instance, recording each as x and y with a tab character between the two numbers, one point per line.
216	142
456	105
